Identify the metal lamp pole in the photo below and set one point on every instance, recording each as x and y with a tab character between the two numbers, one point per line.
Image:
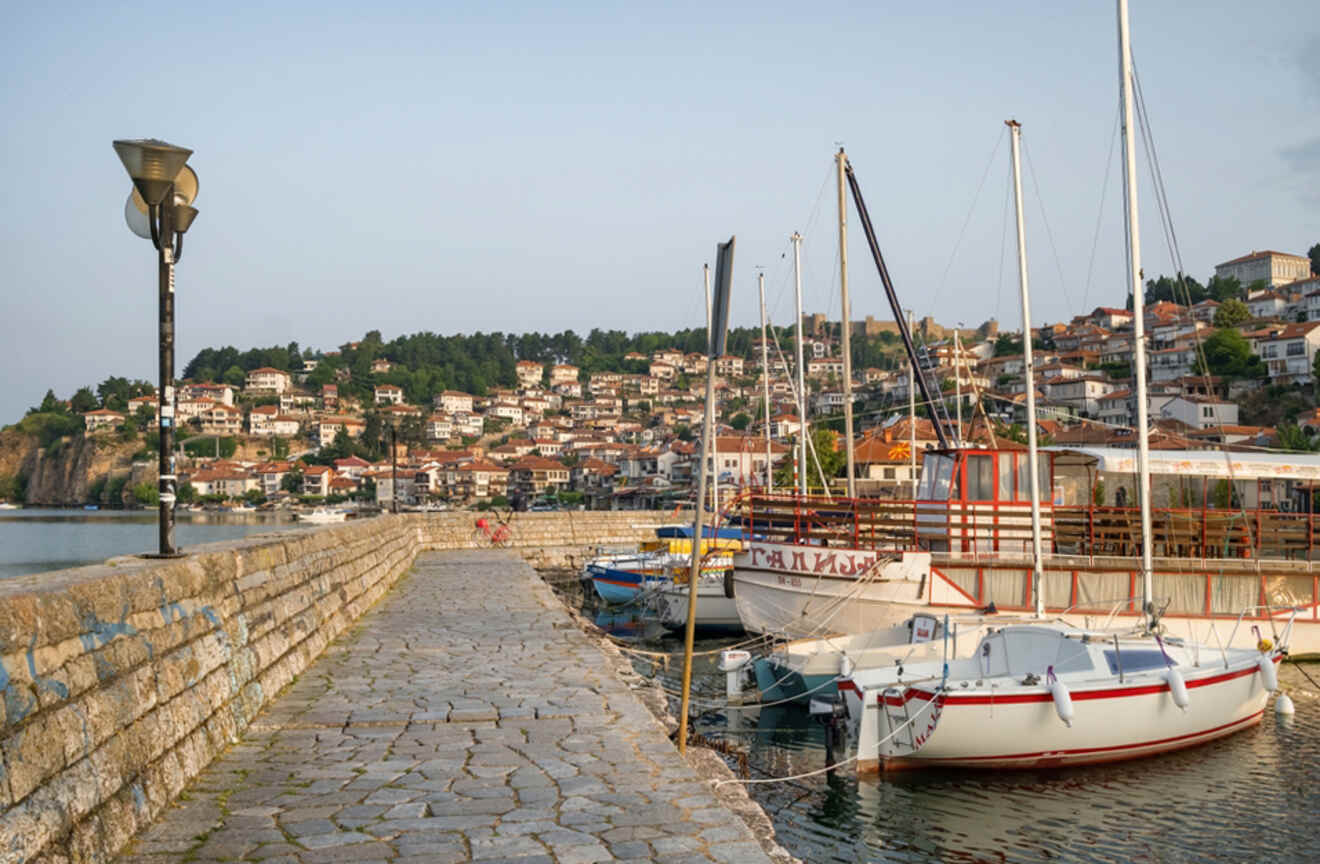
164	188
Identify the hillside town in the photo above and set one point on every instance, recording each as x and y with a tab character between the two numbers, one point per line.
561	436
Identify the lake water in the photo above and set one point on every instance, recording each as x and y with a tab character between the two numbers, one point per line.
1254	796
33	541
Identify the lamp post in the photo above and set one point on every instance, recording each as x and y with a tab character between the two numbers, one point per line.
159	208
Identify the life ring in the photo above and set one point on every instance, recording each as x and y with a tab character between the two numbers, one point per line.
728	583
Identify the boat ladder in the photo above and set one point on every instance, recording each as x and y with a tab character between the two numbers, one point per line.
929	369
897	733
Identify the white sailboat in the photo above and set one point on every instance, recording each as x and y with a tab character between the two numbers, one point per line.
1050	693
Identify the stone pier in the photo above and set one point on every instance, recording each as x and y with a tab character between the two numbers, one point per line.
121	682
465	718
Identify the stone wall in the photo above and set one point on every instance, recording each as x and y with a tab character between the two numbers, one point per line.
121	681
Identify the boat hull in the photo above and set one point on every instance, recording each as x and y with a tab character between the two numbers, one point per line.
1022	730
780	587
714	610
616	586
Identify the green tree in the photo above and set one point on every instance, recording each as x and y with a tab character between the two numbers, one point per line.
49	404
832	461
1314	254
1228	354
187	493
1223	288
83	401
741	420
1231	313
1291	437
234	376
292	481
147	494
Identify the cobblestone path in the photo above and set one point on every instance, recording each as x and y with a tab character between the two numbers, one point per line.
465	718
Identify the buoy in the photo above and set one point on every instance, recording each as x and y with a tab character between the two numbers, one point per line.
1177	688
1269	676
1062	702
846	666
728	583
1283	705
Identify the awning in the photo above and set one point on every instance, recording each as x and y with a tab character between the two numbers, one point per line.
1198	463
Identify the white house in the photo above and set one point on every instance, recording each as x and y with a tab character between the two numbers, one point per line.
265	421
327	428
101	418
1275	268
563	373
529	373
452	401
1083	394
1290	353
1201	412
389	394
439	428
268	380
1169	363
1268	304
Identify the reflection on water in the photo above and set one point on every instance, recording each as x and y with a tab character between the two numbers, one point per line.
1254	796
34	541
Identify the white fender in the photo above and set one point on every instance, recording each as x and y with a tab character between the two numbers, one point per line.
1283	705
1269	676
1062	702
846	666
1177	688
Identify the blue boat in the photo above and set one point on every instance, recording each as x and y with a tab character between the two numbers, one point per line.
622	579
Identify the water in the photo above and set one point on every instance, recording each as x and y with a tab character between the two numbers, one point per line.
33	541
1254	796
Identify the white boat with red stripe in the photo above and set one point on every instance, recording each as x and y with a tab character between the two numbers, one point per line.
1050	694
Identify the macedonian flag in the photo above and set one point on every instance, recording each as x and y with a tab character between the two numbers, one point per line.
900	451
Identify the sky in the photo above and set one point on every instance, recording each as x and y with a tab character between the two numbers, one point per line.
521	166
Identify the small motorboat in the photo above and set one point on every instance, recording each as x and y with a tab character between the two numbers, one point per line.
322	516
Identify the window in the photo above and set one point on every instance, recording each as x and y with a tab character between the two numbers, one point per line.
1296	349
1207	411
980	478
889	474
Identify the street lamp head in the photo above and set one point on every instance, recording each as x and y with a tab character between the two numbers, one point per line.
183	217
152	164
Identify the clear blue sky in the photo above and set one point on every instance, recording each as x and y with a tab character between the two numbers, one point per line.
514	167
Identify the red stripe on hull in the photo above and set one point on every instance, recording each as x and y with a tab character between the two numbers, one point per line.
1080	756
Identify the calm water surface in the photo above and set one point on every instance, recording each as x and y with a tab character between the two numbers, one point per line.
1254	796
33	541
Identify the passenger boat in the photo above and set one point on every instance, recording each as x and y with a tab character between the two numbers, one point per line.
1050	694
1243	535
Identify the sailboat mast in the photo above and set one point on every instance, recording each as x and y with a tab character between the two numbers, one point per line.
801	369
912	417
765	385
846	328
710	383
1033	466
957	382
1138	307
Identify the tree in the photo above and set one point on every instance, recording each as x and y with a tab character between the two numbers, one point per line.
1291	437
1228	354
50	404
1231	313
823	449
740	420
1314	254
146	494
292	481
83	401
234	376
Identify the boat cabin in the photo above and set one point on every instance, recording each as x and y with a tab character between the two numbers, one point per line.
1205	503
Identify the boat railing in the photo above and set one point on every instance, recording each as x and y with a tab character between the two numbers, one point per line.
990	526
1271	613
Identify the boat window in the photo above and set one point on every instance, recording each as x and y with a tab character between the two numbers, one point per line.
936	477
980	478
1135	660
1042	477
1005	476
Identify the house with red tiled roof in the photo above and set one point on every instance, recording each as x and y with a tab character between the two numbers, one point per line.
268	380
1289	353
101	418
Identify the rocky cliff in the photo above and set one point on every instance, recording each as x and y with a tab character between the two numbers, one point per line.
68	471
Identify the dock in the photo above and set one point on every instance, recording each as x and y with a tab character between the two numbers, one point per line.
465	717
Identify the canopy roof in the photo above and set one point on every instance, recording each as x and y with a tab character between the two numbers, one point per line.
1200	463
